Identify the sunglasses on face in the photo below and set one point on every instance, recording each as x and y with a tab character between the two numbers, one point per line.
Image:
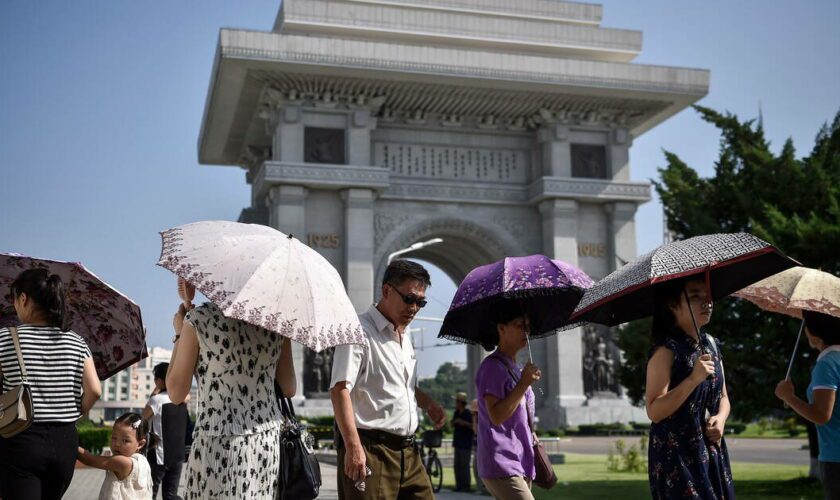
410	299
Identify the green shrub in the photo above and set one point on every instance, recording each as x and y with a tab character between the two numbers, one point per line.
623	459
320	432
735	427
85	423
600	429
763	425
327	421
791	425
93	439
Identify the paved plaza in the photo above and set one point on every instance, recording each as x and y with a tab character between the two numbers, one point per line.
86	482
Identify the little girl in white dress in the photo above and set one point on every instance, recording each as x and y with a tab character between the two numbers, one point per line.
127	473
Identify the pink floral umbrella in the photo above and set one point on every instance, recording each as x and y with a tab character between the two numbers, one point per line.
794	290
259	275
109	321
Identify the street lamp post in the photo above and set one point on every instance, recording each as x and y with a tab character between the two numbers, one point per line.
413	247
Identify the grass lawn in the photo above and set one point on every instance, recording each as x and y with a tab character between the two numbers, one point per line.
585	477
754	431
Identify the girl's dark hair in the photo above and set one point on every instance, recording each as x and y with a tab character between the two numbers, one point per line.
159	371
46	290
506	311
824	326
141	429
665	296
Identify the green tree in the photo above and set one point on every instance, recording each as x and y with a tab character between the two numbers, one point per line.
793	204
449	380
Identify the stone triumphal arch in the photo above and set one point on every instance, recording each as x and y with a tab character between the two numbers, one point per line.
502	127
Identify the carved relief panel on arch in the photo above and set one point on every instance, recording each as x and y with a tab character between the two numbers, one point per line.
453	162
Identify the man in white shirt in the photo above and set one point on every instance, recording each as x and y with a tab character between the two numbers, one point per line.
374	394
169	476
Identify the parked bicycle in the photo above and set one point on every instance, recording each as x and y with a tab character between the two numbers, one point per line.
432	440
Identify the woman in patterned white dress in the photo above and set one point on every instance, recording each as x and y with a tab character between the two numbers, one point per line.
235	450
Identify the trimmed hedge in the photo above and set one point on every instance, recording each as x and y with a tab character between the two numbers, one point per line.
735	427
320	432
326	421
93	439
600	429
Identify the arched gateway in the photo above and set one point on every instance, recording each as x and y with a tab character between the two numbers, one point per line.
502	127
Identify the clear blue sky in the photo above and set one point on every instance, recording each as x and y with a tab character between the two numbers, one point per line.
101	101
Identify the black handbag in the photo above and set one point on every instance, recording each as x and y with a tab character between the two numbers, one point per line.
300	473
173	420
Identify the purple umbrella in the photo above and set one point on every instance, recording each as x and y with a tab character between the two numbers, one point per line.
548	290
106	319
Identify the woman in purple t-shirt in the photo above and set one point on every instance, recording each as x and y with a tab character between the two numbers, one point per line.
505	408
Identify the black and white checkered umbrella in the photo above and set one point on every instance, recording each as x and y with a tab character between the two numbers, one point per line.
732	262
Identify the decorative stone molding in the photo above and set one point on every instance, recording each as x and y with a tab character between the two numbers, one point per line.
385	223
405	23
588	190
537	9
397	231
317	175
360	54
591	190
454	191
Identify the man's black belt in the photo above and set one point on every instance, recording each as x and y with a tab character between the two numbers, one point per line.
390	440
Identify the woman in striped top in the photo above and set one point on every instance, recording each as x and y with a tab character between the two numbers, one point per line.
39	462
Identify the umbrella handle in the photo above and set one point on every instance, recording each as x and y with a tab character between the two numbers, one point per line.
694	323
528	341
186	291
795	347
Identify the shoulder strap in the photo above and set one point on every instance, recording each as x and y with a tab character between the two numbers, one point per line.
507	367
16	341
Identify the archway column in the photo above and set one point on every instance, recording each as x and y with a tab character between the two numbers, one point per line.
358	247
287	213
563	380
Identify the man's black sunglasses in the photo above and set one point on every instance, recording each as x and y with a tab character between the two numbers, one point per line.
410	299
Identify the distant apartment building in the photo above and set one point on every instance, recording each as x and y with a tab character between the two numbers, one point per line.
129	390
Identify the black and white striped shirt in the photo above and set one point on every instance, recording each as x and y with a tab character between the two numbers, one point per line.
54	366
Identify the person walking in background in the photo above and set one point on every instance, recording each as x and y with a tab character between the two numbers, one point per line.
127	472
39	462
506	410
687	453
462	442
823	406
375	396
479	485
166	474
235	451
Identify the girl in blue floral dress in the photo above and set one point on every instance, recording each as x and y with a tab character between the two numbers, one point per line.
686	399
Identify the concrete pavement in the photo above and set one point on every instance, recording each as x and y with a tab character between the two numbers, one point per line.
86	482
761	451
